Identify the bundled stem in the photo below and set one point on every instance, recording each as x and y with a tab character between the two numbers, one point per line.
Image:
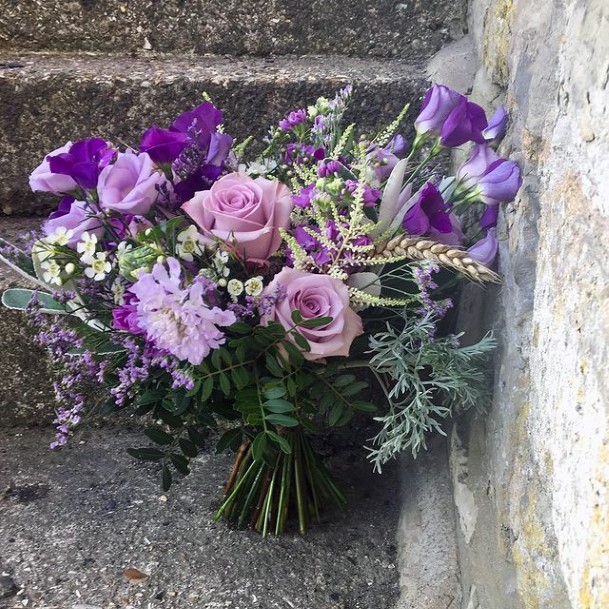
263	496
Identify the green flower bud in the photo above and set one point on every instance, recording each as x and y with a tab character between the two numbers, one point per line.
132	262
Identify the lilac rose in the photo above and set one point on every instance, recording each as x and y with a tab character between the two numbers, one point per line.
44	180
248	211
75	216
315	296
129	185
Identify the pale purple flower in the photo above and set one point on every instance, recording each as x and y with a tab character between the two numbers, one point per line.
177	319
497	126
130	184
293	118
43	179
75	216
485	250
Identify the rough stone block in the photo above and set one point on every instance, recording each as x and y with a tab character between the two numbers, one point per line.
386	28
47	100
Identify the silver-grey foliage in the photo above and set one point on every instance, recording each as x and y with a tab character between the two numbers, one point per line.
424	381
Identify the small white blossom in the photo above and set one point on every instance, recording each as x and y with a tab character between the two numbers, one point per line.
189	243
51	272
86	247
70	268
61	236
118	291
122	248
254	286
98	267
221	259
222	282
235	288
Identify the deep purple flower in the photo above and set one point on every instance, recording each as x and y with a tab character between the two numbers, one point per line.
489	177
293	118
485	250
84	161
199	123
201	179
162	145
303	199
43	179
497	126
429	211
465	123
450	116
371	195
328	167
125	317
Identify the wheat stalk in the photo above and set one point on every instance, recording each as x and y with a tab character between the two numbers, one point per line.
447	255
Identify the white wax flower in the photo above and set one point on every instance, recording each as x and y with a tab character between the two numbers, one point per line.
189	243
51	272
86	247
254	286
235	287
98	267
61	236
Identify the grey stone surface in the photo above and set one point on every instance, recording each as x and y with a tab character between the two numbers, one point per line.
385	28
531	480
72	521
47	100
25	379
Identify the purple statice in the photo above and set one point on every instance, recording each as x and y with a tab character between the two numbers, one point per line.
181	379
328	168
423	276
293	119
178	319
295	154
304	198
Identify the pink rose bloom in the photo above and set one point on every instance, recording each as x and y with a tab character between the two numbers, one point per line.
315	296
245	210
130	184
43	179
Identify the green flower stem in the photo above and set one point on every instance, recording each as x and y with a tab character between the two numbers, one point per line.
302	520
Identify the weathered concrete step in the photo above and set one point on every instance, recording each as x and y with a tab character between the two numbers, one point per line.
385	28
46	100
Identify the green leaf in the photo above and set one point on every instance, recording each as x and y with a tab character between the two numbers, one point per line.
259	446
335	414
196	388
301	341
296	317
19	298
158	435
283	444
216	359
188	447
198	437
240	328
354	388
168	418
343	380
166	478
274	392
146	454
224	384
279	406
272	366
282	419
316	322
295	355
207	388
180	463
363	406
229	439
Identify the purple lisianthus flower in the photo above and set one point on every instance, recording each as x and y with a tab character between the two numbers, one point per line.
489	217
125	317
43	179
163	146
450	116
465	123
453	237
130	184
489	177
200	179
485	250
84	161
293	118
219	147
430	211
200	122
497	126
178	319
75	216
385	159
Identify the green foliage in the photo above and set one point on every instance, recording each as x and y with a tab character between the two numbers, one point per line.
425	380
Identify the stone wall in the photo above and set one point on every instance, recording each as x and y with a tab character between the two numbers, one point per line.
531	479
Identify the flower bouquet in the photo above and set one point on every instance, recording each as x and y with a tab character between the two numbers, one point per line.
212	289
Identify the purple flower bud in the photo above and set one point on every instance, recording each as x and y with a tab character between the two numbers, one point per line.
489	217
328	167
163	146
465	123
304	198
485	250
219	147
497	126
489	176
84	161
429	212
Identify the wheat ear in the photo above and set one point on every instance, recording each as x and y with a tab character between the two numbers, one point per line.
447	255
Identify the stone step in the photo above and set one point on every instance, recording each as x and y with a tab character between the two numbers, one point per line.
48	99
385	28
